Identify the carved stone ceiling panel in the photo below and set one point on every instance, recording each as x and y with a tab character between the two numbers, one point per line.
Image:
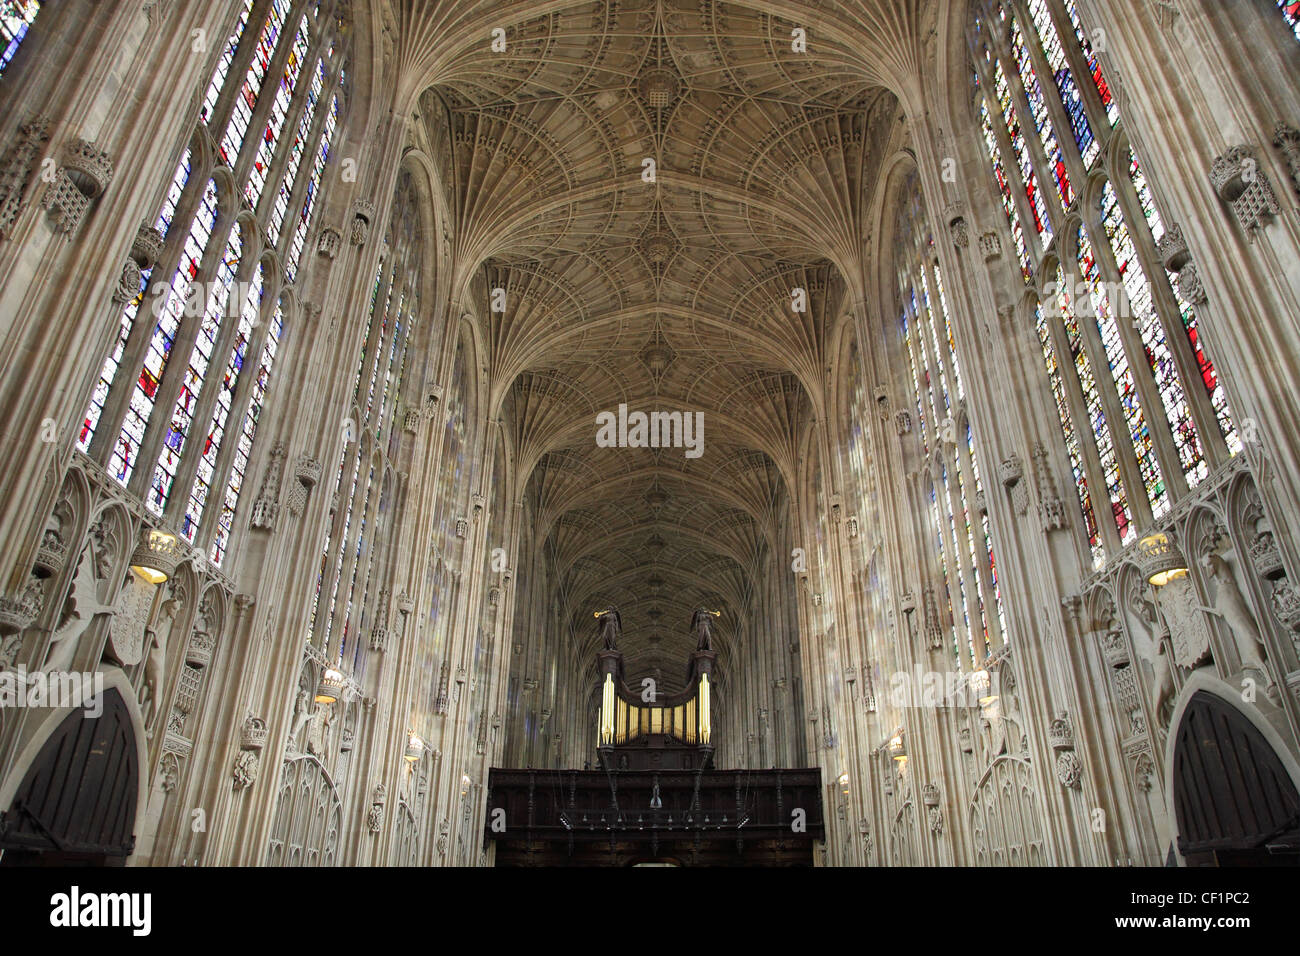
670	292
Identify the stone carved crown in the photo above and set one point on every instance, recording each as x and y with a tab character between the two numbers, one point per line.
253	734
88	167
1060	734
147	245
365	209
308	471
1266	557
1172	249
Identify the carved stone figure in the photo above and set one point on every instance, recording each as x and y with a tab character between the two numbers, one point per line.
79	611
318	731
302	712
702	624
611	626
155	665
1230	606
1152	650
995	736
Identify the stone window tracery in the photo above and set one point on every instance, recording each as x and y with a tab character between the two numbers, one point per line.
232	195
354	555
962	549
868	569
1120	343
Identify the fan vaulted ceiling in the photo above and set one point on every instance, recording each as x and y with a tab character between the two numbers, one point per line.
668	295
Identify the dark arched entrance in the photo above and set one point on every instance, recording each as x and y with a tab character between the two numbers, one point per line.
76	806
1233	797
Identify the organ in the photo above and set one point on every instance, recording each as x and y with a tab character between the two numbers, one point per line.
667	733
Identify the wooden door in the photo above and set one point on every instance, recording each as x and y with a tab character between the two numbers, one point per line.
1233	797
76	806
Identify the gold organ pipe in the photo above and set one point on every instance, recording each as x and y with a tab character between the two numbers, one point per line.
705	725
607	711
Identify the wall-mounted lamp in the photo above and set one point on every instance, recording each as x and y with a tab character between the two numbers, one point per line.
414	748
1160	559
156	557
982	683
896	748
331	687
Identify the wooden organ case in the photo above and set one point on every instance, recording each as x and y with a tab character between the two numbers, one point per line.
667	733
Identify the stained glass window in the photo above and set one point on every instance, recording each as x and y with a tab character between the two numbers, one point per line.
1187	317
1054	372
345	595
279	115
1291	12
1020	149
1094	65
1004	192
214	308
16	17
966	590
1063	77
1042	121
1105	310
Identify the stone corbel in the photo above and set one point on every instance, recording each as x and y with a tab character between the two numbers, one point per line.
930	612
144	253
1240	181
1173	252
1011	473
379	633
1287	139
1060	736
411	420
266	507
883	405
432	401
18	611
307	472
329	242
375	815
933	811
16	173
955	214
83	177
363	214
990	246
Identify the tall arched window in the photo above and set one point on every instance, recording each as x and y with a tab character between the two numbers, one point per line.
1142	413
200	339
15	18
965	569
867	567
1291	12
355	558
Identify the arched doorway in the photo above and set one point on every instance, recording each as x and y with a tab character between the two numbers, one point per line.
77	803
1232	796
